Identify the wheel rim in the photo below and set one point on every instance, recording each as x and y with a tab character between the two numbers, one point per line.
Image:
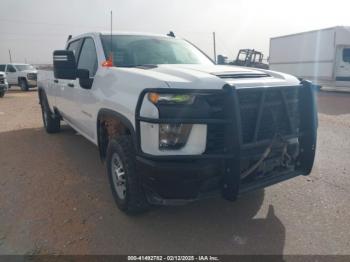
118	176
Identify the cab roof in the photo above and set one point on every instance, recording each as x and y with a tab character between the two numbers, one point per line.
97	34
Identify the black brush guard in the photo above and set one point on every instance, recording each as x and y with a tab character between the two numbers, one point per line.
242	122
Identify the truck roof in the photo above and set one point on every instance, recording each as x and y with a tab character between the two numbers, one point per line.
119	33
311	31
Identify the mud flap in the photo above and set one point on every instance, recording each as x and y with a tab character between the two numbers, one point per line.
308	127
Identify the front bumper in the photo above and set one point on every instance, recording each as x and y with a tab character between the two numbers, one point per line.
177	182
182	181
32	83
179	179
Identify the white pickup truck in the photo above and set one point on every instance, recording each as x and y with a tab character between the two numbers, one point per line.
174	127
22	75
3	84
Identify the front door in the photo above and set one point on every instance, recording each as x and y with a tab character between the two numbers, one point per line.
11	75
343	64
66	93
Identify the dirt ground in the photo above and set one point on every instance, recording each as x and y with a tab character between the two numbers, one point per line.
55	198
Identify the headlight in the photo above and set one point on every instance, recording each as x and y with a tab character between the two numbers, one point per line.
157	98
173	136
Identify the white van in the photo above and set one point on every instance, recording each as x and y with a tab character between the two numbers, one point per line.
322	56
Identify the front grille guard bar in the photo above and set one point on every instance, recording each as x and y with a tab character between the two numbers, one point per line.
231	122
233	137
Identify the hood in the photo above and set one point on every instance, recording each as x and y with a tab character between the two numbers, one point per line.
215	76
29	71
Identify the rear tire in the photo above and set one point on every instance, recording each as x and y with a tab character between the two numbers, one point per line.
2	93
23	85
52	123
123	177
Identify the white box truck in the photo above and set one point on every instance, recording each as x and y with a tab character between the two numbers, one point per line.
322	56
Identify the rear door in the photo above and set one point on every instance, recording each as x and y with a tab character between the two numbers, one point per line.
343	64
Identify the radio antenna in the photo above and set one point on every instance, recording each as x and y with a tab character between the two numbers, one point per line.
111	52
109	61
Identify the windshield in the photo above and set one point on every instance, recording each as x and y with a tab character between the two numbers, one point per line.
24	67
131	51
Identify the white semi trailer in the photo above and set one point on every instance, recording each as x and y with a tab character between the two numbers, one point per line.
322	56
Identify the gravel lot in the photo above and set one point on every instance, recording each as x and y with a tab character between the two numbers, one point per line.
55	198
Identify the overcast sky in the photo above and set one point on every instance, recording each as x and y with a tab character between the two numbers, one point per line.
32	29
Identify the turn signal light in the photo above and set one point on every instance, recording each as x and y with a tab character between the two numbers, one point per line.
108	62
153	97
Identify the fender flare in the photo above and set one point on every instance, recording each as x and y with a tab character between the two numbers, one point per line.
124	120
41	94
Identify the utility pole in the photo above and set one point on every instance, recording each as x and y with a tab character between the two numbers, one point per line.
214	42
10	56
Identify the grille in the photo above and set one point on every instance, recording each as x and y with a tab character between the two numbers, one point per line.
266	112
32	76
216	104
277	108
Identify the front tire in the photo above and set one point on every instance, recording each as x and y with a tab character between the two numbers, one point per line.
52	123
123	177
23	85
2	94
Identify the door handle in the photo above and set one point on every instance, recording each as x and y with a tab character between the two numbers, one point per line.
342	66
56	81
70	85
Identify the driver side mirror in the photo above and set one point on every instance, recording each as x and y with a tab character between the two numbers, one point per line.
64	65
84	78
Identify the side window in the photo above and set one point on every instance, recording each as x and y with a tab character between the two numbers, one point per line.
346	55
11	69
2	68
74	46
88	57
